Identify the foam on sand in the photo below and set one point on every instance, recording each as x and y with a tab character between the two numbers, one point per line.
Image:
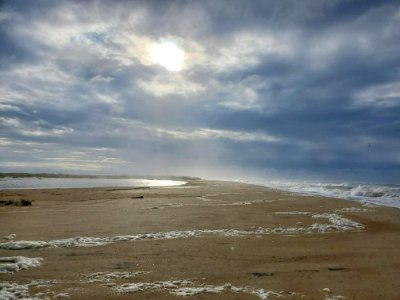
186	288
334	297
183	288
17	263
61	295
19	245
292	213
9	237
152	286
104	277
329	295
337	224
13	290
353	210
237	203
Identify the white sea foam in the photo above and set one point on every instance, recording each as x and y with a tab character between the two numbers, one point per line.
186	288
9	237
353	210
334	297
210	203
203	198
153	286
337	224
44	282
165	205
384	194
212	289
367	204
19	245
240	203
191	291
13	291
17	263
292	213
105	277
61	295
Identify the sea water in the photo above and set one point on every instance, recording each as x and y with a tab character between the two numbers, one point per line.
378	194
49	183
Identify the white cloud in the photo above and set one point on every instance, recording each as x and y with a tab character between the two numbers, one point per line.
242	95
36	128
52	156
383	95
246	49
8	107
171	83
148	131
81	161
5	142
37	84
112	101
6	15
207	133
102	79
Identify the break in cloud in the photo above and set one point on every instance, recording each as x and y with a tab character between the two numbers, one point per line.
268	88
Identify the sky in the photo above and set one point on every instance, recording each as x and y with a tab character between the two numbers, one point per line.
236	90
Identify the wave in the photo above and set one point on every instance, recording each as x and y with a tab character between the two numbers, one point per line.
384	194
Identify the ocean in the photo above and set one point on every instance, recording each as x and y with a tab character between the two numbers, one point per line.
378	194
49	183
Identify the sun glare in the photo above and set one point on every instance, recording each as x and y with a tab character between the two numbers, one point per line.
167	55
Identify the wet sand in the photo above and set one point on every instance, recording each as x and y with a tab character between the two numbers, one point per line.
264	243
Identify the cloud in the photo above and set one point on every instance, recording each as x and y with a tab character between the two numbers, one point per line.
380	96
243	95
167	84
5	15
206	133
36	128
141	130
80	160
266	86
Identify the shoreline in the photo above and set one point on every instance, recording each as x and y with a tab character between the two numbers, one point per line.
88	183
213	238
375	196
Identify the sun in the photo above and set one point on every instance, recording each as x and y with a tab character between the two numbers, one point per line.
168	55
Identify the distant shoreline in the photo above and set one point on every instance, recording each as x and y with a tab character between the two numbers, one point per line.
34	183
62	175
374	194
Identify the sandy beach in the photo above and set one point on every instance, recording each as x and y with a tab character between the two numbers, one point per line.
202	240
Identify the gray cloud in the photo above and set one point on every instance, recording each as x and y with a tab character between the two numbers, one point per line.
270	87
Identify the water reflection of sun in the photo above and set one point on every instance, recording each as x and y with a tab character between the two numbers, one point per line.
168	55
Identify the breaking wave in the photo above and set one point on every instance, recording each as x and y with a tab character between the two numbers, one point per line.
384	194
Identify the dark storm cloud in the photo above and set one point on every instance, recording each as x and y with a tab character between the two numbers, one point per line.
268	87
